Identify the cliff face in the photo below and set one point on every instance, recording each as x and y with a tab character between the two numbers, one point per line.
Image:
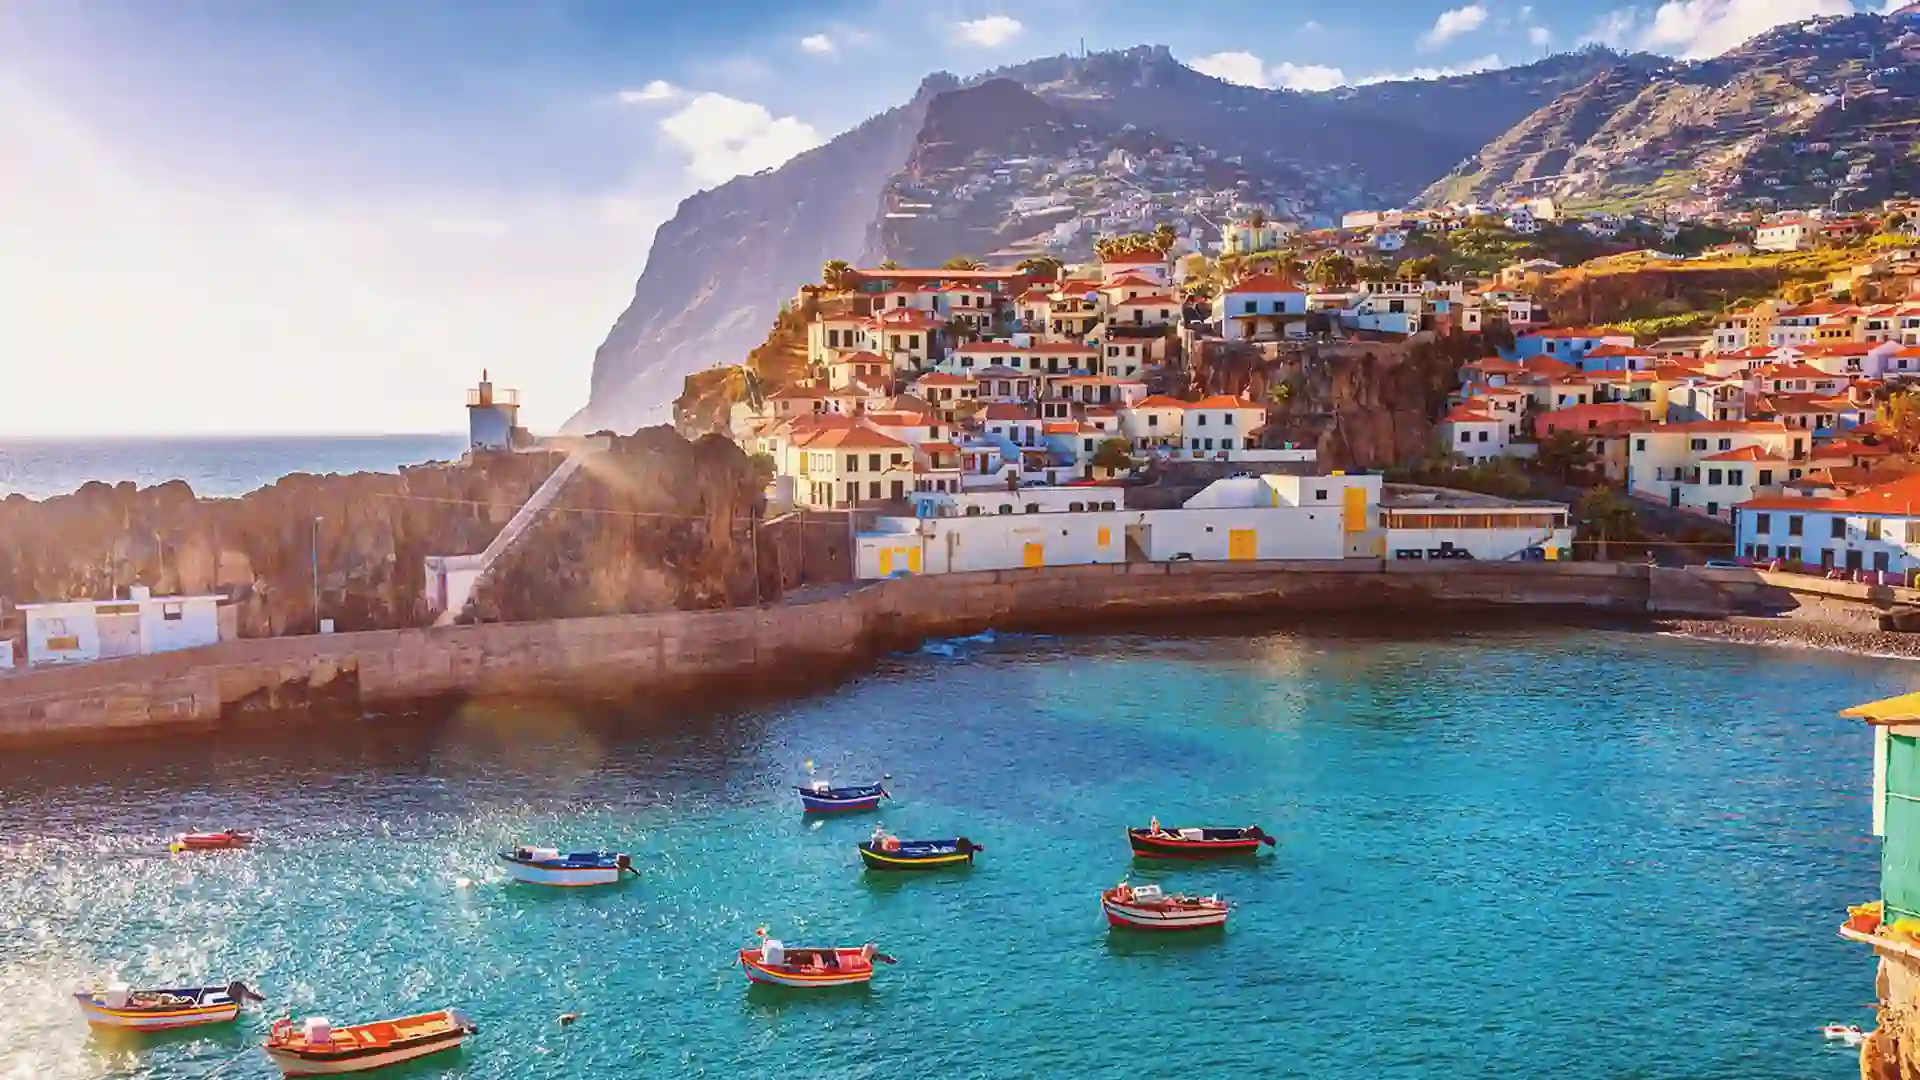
921	188
376	529
1802	114
654	523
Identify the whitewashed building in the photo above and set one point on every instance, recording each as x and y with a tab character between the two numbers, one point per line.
77	631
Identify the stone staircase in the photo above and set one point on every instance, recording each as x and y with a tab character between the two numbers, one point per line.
531	513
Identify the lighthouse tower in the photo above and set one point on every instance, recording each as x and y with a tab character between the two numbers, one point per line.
492	415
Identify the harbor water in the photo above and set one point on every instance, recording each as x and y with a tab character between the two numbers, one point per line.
1502	852
212	466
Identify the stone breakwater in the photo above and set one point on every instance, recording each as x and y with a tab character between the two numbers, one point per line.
746	647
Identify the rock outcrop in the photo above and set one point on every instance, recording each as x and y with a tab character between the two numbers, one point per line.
676	505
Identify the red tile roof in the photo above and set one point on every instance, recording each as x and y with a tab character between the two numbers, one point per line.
1265	283
1470	414
1224	401
941	378
1162	401
1132	279
1901	497
1133	260
1838	348
853	438
1791	371
1746	453
1847	448
857	358
1548	367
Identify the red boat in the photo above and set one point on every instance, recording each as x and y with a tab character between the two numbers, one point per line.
1145	907
210	841
1154	842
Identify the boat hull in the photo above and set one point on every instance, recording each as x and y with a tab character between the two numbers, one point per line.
840	800
292	1063
1131	917
1172	847
567	879
762	975
908	861
100	1016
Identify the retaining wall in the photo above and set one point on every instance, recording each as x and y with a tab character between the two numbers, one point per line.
685	650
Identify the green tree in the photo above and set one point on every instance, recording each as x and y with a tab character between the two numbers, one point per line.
1895	222
834	274
1566	455
1800	294
1902	414
1371	271
1041	267
1332	271
1606	516
1164	238
960	262
889	264
1113	454
1280	393
960	331
1424	268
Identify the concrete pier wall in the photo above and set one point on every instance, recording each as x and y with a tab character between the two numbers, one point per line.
684	650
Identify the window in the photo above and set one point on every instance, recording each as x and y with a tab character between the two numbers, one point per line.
1483	436
1153	420
1639	444
1699	444
1228	420
1793	525
1766	477
1005	508
1879	560
1913	532
1873	528
1319	494
1726	444
1074	507
1762	523
913	341
973	511
1713	508
1838	528
873	490
1033	508
1201	420
1252	306
1713	476
1466	436
172	612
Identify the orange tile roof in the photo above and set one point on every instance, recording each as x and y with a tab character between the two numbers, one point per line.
1265	283
853	438
857	358
1901	497
1548	367
1469	414
1130	278
1746	453
1604	351
1161	401
1718	427
1791	371
1224	401
1848	448
941	378
1059	427
1838	348
1489	365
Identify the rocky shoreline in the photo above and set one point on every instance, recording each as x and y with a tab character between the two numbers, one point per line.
1792	633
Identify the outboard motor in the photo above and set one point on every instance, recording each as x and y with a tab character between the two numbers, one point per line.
624	862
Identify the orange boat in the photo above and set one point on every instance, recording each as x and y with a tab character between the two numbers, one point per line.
318	1049
210	841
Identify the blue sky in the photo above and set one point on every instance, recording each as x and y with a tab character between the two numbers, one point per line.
233	216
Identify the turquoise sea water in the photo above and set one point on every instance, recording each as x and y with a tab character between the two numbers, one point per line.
1502	853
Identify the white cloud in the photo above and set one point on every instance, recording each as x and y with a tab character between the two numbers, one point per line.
1246	69
990	32
1234	67
1484	63
725	137
817	43
1452	23
1894	5
656	91
1308	76
1696	29
1540	35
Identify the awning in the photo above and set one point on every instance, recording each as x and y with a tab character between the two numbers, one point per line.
1904	709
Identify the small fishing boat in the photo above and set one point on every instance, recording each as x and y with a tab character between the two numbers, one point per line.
1846	1034
119	1006
549	866
822	798
772	964
1146	907
886	852
316	1048
1154	842
210	841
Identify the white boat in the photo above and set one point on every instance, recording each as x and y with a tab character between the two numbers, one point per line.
1146	907
120	1006
548	866
1844	1033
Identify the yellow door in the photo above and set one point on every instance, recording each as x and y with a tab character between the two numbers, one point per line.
1106	536
913	559
886	562
1353	516
1036	555
1242	543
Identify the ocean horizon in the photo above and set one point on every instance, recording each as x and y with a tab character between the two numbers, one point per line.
213	465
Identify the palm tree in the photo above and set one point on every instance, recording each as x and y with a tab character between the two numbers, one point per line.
834	274
1256	218
960	262
889	264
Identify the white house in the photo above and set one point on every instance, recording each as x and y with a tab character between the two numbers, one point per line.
1792	234
1221	424
1263	305
1475	433
1876	529
72	631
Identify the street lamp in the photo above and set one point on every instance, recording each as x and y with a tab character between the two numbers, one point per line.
316	573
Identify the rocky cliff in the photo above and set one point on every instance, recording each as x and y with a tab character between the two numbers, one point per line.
1806	113
720	269
677	505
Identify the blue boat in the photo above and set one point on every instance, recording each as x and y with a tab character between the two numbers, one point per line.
885	852
549	866
822	799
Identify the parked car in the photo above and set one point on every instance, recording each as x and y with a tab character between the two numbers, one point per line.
1723	564
1184	556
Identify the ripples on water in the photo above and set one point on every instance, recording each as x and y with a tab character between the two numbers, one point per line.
1502	854
218	466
